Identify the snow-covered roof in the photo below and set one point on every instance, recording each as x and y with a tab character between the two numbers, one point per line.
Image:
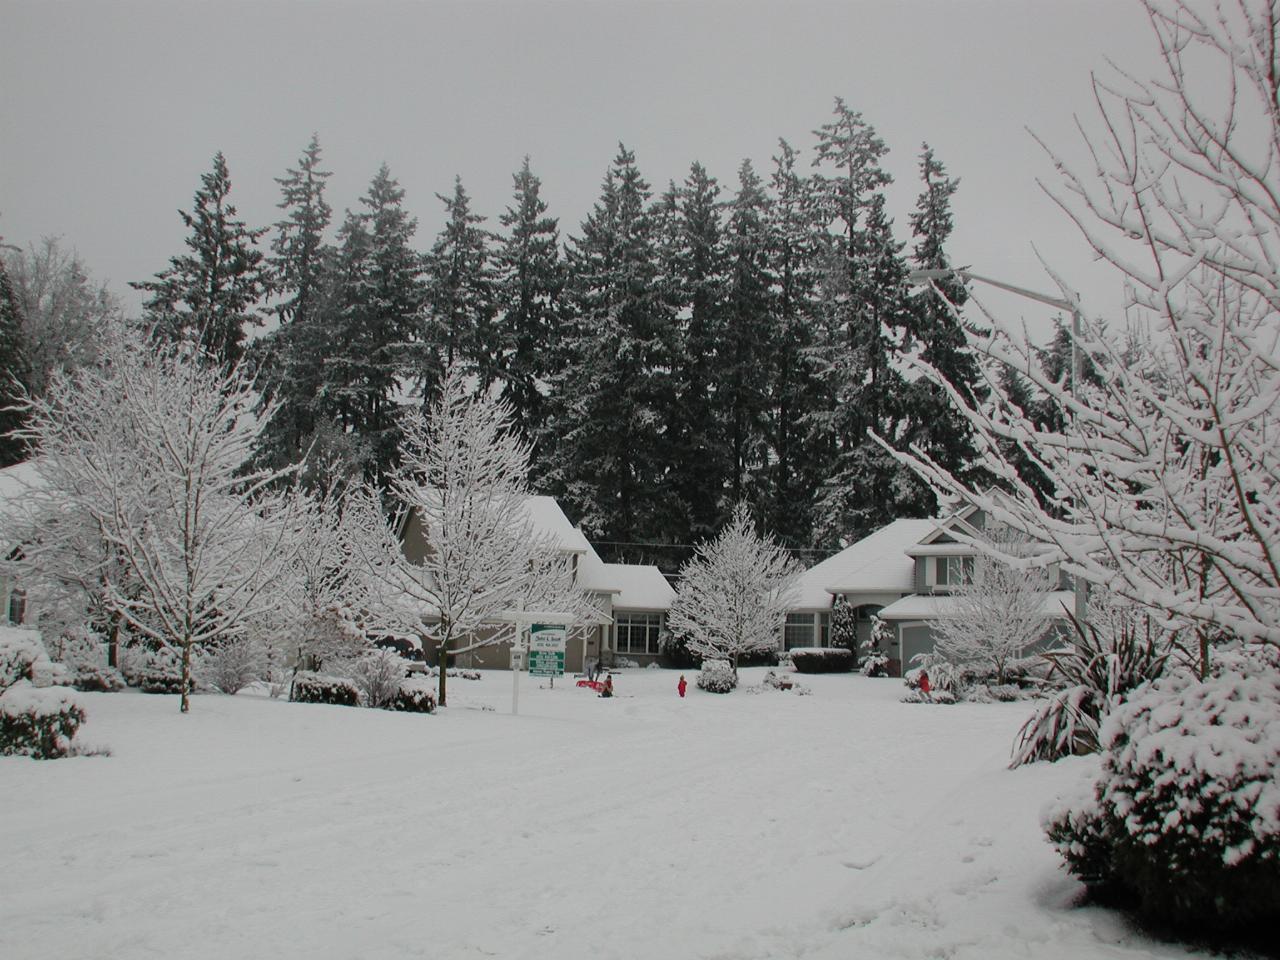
634	587
549	520
642	587
940	606
875	564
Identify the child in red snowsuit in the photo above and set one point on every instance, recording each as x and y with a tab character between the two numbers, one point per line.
681	685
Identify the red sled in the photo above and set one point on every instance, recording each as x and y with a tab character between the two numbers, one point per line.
595	685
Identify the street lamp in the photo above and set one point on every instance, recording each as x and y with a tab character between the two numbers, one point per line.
1071	305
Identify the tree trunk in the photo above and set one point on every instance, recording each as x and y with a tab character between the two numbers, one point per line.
185	706
442	659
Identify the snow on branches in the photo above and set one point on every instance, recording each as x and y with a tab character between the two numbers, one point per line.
463	481
734	594
1165	472
147	462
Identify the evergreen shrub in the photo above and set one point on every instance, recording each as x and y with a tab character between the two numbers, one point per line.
822	660
414	696
38	722
1183	822
317	688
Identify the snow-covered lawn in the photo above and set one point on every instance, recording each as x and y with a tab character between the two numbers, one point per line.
838	825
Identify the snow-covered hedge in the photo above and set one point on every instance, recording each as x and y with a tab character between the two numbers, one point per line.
1184	819
38	722
96	678
22	656
717	676
822	659
318	688
414	696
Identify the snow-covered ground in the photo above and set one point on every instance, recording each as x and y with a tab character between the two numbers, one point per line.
838	825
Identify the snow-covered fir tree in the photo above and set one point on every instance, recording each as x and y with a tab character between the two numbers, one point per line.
748	340
290	359
530	285
733	595
611	399
461	293
207	297
375	308
796	457
693	257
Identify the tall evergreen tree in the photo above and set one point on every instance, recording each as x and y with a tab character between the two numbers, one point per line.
291	358
864	314
936	330
530	285
697	284
749	340
15	372
209	296
460	291
797	453
612	466
375	311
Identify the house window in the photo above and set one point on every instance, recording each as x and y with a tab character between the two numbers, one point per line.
953	571
636	632
798	631
17	607
824	629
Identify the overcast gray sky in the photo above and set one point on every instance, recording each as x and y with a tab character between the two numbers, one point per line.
111	111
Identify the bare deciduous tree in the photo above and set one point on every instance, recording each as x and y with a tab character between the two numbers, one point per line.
734	593
1166	477
153	452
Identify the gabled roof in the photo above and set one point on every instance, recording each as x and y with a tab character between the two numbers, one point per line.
633	586
877	563
549	520
642	587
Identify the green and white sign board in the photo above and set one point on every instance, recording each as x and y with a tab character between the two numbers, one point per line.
546	649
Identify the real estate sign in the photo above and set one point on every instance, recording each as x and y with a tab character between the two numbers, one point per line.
546	649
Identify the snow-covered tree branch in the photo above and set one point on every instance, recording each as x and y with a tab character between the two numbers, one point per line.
463	482
1166	476
734	594
999	611
151	454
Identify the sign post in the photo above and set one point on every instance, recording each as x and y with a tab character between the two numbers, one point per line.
529	623
546	650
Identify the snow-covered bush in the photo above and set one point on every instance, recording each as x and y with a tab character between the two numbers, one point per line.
1095	670
22	656
414	696
38	722
717	676
378	674
1184	821
97	678
318	688
822	660
875	660
937	696
781	681
944	676
151	671
232	665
